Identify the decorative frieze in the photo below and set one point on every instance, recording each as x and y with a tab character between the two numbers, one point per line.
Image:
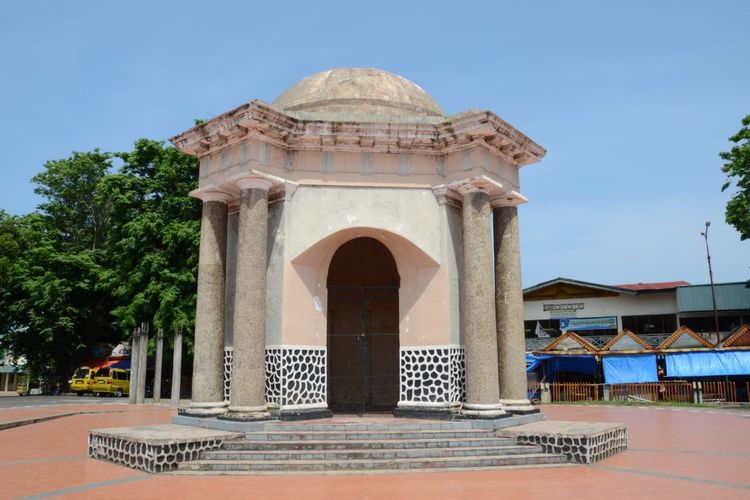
260	121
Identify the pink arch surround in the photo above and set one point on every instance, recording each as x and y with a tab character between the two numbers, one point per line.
423	295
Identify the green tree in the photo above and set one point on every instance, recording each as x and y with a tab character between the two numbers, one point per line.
70	186
153	257
737	168
53	306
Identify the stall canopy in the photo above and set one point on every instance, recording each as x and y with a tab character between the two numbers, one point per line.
564	363
629	369
708	364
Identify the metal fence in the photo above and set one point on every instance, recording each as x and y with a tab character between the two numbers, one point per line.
666	391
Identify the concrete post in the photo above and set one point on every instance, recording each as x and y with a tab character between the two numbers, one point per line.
140	394
511	348
482	393
134	355
247	399
208	355
157	368
176	367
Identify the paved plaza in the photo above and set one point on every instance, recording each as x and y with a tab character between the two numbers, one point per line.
674	453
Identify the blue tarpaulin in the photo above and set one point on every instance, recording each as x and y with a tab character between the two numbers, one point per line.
572	363
708	364
629	369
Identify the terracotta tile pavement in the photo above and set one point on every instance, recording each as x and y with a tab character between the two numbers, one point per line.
674	453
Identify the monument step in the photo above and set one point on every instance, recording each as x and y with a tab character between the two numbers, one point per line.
393	433
372	464
368	426
300	444
371	454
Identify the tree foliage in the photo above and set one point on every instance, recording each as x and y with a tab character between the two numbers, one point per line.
53	308
737	168
154	250
107	249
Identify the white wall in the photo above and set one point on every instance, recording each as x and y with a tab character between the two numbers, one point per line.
623	305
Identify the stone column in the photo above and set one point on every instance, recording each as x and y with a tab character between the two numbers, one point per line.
157	369
208	355
511	348
140	395
247	399
482	395
176	367
134	353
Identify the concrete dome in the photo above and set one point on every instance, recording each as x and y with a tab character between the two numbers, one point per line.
357	91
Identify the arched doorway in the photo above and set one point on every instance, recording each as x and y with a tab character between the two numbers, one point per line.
363	335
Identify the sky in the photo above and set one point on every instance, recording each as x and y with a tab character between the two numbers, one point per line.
632	100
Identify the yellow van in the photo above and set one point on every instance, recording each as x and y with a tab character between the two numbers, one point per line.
83	380
112	381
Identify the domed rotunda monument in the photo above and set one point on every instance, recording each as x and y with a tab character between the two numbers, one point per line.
347	259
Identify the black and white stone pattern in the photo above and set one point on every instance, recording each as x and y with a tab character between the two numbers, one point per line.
432	374
294	375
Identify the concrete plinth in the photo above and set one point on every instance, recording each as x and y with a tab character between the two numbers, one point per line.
482	399
208	360
154	448
581	442
247	399
509	312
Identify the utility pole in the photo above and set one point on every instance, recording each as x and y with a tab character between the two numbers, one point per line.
713	291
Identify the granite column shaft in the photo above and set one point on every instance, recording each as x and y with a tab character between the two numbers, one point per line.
482	395
208	357
511	347
247	397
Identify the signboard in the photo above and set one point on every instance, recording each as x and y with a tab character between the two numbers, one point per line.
603	323
568	307
563	310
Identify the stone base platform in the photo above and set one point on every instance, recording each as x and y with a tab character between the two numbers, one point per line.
344	444
154	448
581	442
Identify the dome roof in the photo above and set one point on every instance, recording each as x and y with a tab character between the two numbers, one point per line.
357	91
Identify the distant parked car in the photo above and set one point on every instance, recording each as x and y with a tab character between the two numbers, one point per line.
83	381
111	381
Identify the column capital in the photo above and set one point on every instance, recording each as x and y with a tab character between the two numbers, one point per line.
253	182
508	199
478	184
211	193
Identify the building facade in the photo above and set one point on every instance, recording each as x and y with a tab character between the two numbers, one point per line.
347	258
652	311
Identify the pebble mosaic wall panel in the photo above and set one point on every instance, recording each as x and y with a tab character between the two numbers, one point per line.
294	375
432	374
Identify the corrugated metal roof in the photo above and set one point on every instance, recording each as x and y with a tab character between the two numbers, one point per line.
663	285
729	296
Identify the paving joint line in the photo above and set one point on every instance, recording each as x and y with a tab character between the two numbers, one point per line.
12	424
87	487
11	463
677	477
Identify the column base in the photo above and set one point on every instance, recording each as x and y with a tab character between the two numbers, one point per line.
518	406
304	413
198	409
246	413
483	411
438	411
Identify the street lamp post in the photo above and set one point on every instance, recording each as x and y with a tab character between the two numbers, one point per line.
711	278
